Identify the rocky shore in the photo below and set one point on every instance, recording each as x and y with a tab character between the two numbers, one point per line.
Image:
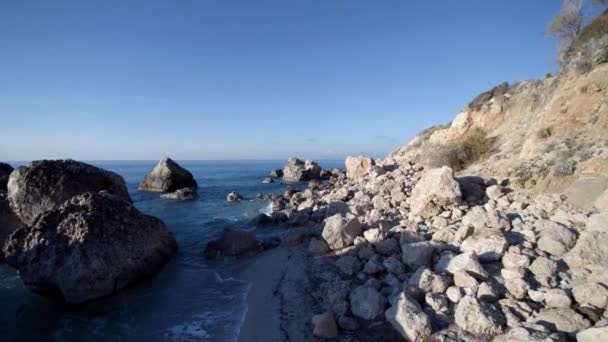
388	250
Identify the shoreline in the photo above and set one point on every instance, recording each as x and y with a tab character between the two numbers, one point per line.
262	320
277	306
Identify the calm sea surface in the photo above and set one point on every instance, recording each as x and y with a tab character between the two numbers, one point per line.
190	299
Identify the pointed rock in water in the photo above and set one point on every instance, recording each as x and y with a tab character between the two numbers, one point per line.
298	171
5	172
91	246
268	180
276	173
167	176
46	184
233	244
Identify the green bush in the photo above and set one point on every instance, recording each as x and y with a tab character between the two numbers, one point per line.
596	28
475	145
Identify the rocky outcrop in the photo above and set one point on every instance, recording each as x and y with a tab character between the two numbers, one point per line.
233	244
5	172
298	171
435	190
93	245
357	167
44	185
181	194
167	176
276	173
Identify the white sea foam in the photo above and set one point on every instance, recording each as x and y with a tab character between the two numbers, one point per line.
267	209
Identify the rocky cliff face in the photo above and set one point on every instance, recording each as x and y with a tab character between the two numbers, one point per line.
546	135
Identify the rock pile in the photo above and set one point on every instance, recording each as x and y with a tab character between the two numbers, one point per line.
437	257
298	171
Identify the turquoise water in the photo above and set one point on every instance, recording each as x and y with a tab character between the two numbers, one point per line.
190	299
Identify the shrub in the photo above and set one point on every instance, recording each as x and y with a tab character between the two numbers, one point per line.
595	29
475	145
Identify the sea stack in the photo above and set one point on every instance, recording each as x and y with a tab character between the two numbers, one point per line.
167	176
298	171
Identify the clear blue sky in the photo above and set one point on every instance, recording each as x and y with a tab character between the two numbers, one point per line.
252	79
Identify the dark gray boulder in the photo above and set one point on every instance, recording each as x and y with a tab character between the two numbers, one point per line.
9	222
46	184
233	244
167	176
93	245
5	172
298	171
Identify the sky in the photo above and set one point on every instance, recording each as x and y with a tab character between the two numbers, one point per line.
267	79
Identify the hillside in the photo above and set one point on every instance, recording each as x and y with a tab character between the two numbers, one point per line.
546	135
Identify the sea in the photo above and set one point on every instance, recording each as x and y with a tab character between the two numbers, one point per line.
191	299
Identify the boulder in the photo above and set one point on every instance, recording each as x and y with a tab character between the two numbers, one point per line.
339	232
530	333
589	252
357	167
417	254
544	271
465	262
5	172
591	294
562	320
181	194
487	244
367	303
93	245
233	197
298	171
601	203
595	334
233	244
324	325
436	190
9	222
167	176
598	222
478	317
45	185
555	239
408	318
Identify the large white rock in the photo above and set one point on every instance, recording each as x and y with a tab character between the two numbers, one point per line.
598	222
602	202
339	232
555	239
357	167
593	335
564	320
487	244
465	262
478	317
589	252
435	190
408	318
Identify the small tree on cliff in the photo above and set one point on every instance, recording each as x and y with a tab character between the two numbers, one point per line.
567	24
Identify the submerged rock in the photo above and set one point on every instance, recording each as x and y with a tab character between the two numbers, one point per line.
233	244
181	194
93	245
167	176
234	197
298	171
45	185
